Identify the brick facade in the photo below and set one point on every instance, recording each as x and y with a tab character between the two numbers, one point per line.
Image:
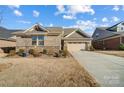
50	49
112	44
98	44
122	40
108	44
51	44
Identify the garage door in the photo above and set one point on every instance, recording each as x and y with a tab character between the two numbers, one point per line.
76	46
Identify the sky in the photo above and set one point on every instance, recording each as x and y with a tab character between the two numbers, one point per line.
86	17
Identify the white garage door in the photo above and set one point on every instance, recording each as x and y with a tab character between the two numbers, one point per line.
76	46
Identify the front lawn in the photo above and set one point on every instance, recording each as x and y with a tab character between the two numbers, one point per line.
42	72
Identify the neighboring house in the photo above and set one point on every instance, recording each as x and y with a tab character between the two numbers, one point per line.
52	39
6	41
108	38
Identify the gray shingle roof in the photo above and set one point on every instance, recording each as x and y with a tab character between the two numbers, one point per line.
103	33
54	29
68	31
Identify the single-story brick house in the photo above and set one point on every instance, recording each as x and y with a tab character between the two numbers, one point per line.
52	38
108	38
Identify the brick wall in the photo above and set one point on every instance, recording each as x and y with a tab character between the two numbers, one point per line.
52	41
112	44
98	44
23	41
50	49
122	39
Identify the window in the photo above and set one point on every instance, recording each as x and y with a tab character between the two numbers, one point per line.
34	40
122	23
97	34
38	40
122	28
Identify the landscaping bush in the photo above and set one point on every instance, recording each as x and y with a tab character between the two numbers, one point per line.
36	54
63	53
31	51
121	47
60	51
55	54
21	52
44	51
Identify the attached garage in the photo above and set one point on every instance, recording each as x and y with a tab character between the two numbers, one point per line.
76	40
76	46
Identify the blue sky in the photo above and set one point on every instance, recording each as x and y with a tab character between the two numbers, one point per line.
85	17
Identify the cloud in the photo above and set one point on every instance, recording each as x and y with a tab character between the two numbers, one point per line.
70	11
104	19
69	17
60	9
41	24
14	6
51	25
17	13
115	19
123	7
94	19
75	9
116	8
36	13
24	22
104	25
87	26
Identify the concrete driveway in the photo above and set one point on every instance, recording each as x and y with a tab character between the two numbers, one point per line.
108	70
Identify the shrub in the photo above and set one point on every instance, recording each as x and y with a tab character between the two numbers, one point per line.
55	54
63	53
60	51
44	51
20	52
36	54
121	47
31	51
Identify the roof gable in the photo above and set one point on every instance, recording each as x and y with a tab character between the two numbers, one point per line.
77	33
114	27
36	28
67	31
